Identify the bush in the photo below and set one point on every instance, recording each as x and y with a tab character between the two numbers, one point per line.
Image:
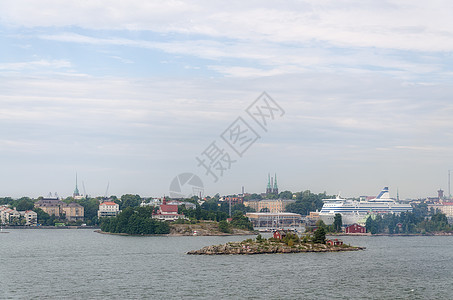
224	227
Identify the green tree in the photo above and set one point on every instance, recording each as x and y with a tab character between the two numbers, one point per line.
130	200
43	218
24	204
135	220
224	227
241	221
319	237
253	197
90	208
286	195
337	223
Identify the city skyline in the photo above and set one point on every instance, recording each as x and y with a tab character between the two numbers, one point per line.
128	95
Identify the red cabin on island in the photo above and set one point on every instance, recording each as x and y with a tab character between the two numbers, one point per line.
279	234
334	242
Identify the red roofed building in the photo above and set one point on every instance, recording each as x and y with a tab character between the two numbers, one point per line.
355	228
168	212
279	234
334	242
108	209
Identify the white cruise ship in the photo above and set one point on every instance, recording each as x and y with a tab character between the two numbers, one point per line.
354	211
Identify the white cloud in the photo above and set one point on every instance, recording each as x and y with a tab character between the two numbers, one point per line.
407	25
37	64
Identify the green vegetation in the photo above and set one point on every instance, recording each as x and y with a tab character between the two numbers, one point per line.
135	220
240	221
407	222
319	236
224	227
337	223
306	202
130	200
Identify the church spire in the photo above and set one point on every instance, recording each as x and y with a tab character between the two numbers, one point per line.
76	190
275	188
269	186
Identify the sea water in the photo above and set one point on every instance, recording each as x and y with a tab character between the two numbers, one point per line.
82	264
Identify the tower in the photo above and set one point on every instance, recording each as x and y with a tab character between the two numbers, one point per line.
440	194
269	187
275	188
76	190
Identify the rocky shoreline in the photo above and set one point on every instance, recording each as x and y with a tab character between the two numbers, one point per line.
252	247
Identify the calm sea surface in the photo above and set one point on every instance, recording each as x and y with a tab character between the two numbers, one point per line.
82	264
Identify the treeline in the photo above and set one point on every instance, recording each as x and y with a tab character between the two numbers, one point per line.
213	210
407	222
306	202
135	220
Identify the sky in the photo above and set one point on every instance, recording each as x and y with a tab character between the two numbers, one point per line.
129	95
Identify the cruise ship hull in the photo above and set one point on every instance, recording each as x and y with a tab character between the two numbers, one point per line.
353	211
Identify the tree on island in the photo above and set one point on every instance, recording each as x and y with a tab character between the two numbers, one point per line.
319	236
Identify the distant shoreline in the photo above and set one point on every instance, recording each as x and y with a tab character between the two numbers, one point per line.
49	227
177	234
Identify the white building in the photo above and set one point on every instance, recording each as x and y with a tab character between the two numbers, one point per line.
8	214
31	217
108	209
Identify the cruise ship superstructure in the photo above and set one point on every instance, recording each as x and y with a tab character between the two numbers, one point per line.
355	211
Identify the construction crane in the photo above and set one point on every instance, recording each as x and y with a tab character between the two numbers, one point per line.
107	190
84	191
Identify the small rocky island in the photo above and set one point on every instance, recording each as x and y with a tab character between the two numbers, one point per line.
290	243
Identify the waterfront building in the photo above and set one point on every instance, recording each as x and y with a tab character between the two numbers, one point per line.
168	212
31	217
274	220
444	207
108	209
51	206
73	211
355	228
12	216
269	205
54	206
312	218
7	214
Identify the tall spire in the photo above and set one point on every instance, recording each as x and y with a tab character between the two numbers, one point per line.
269	187
275	188
76	191
268	180
275	181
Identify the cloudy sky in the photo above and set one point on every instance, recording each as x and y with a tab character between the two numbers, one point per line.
129	93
